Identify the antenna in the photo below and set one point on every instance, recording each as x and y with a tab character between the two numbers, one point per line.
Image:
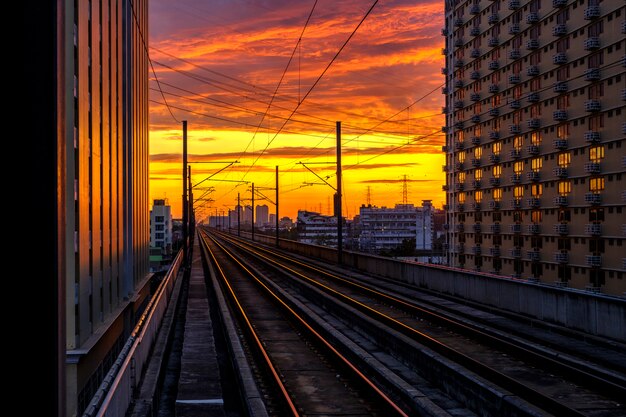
368	196
405	190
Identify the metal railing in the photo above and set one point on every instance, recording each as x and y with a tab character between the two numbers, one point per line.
116	391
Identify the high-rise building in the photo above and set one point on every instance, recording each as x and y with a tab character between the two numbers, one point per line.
103	116
262	215
161	226
535	169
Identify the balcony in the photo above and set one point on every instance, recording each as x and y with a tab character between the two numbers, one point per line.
592	167
475	53
532	71
458	104
534	229
494	251
459	146
444	71
444	148
533	255
515	129
559	115
514	79
475	140
494	135
559	30
533	123
459	186
592	106
592	12
561	228
445	168
494	158
592	74
494	205
495	228
593	260
533	176
624	32
532	44
459	248
444	51
533	97
493	88
493	42
444	90
444	187
516	204
592	43
476	227
446	226
493	19
560	144
475	75
533	149
475	97
475	118
494	65
458	166
593	229
560	200
533	202
458	84
458	22
624	94
476	184
476	250
516	253
460	207
559	3
446	207
494	112
560	172
475	31
592	137
460	228
475	9
494	182
532	18
514	4
515	104
516	228
515	54
593	198
514	29
476	206
475	162
515	154
444	110
559	58
458	42
561	257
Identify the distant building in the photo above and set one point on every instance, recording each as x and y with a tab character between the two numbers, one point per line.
383	228
318	229
272	219
161	227
246	215
262	215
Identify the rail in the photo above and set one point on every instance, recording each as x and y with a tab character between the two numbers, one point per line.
117	389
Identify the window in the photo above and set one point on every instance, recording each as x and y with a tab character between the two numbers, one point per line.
461	198
535	138
461	157
564	243
536	164
596	215
478	152
158	235
518	167
596	122
461	176
596	184
159	219
562	102
496	147
536	190
562	131
518	191
565	187
518	142
496	171
564	159
460	135
596	153
478	174
478	196
497	194
596	91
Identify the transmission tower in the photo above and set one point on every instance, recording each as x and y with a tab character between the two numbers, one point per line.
405	190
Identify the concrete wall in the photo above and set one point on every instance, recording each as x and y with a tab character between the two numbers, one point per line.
596	314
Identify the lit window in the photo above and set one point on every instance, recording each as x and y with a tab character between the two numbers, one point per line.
518	142
536	164
496	147
596	153
461	157
535	138
518	191
564	159
536	190
461	176
518	167
478	174
477	130
478	196
596	184
565	187
535	216
478	152
461	135
496	170
497	194
461	198
562	131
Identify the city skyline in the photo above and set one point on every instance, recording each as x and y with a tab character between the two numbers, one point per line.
234	56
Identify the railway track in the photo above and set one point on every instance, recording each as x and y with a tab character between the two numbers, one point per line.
540	379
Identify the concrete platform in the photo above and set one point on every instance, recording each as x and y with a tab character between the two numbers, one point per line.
199	386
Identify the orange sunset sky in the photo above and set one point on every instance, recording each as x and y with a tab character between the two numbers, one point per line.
220	61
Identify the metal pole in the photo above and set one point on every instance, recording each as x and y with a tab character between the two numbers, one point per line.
338	203
277	222
253	211
185	204
229	231
238	214
190	212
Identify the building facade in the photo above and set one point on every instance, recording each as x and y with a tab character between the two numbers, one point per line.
535	170
383	228
161	226
106	208
317	229
262	215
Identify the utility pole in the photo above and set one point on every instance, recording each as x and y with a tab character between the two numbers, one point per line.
253	212
185	203
191	214
239	214
338	199
277	221
229	231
